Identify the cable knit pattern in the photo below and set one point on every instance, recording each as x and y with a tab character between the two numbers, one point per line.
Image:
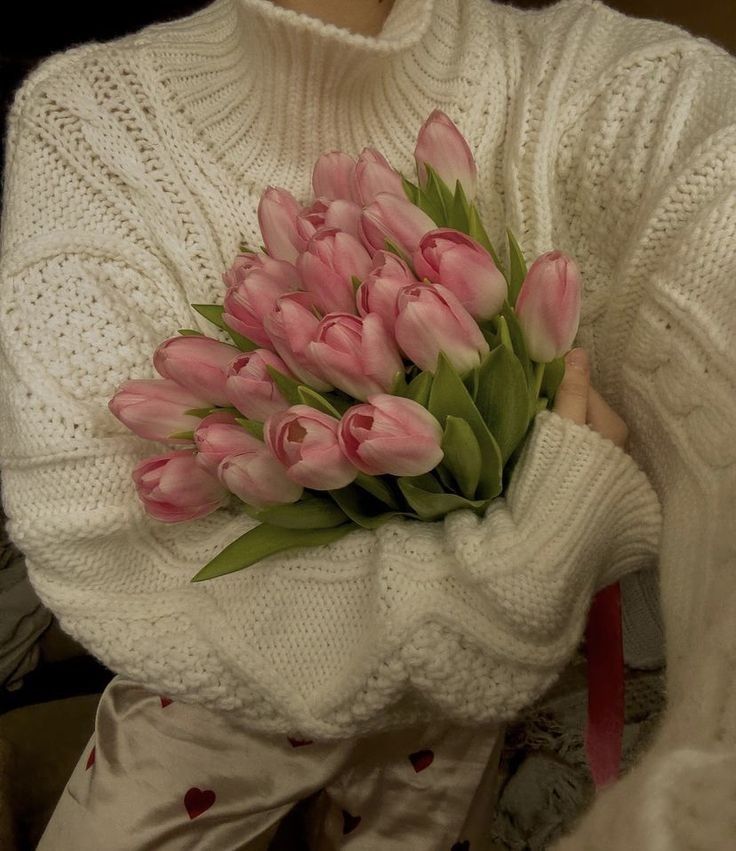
133	171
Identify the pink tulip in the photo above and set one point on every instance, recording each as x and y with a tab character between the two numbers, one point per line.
548	306
305	441
292	326
251	389
432	320
156	408
277	212
174	487
356	354
327	267
340	214
391	435
441	145
394	218
258	479
373	175
332	176
240	266
218	436
458	262
379	291
198	364
254	295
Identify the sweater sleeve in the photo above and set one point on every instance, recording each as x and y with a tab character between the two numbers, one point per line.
473	617
661	187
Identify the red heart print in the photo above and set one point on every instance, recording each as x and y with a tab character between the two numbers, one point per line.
165	701
421	760
91	758
299	743
461	846
198	801
349	823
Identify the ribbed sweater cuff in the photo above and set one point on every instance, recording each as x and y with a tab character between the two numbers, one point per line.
575	491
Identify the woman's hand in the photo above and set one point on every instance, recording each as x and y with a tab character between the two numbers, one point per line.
578	401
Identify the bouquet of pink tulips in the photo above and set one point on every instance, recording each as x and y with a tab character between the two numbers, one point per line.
381	361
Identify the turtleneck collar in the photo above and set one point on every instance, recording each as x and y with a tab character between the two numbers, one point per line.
269	89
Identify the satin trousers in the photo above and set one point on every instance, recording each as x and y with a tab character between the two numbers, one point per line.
160	775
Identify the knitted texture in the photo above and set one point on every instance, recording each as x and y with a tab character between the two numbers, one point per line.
133	171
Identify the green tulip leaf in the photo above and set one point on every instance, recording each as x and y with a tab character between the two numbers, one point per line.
462	455
430	505
182	435
399	387
504	335
310	397
470	380
288	387
449	397
553	374
253	427
460	212
503	398
243	343
311	512
440	194
411	190
190	332
520	350
431	204
363	509
379	488
478	232
517	268
266	540
419	388
212	313
199	412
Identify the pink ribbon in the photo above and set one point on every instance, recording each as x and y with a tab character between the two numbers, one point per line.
605	724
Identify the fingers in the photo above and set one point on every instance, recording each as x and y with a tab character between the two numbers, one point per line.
603	419
571	401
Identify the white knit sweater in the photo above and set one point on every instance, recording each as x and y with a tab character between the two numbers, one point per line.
134	168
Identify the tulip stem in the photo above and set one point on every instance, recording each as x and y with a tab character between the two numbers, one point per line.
538	375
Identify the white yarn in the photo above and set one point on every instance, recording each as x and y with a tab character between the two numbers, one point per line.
134	170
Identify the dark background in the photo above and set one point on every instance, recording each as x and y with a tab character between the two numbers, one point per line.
40	29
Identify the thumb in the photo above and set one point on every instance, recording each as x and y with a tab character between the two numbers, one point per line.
571	401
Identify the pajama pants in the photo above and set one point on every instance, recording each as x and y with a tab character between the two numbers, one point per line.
160	775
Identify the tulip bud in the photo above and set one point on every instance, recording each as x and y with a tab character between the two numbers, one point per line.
305	441
396	219
432	320
199	364
391	435
332	176
379	291
242	263
327	268
218	436
174	487
340	214
355	354
277	212
458	262
156	408
441	145
253	296
373	175
251	389
548	306
258	479
292	326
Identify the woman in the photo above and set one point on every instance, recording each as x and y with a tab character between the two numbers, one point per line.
133	168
